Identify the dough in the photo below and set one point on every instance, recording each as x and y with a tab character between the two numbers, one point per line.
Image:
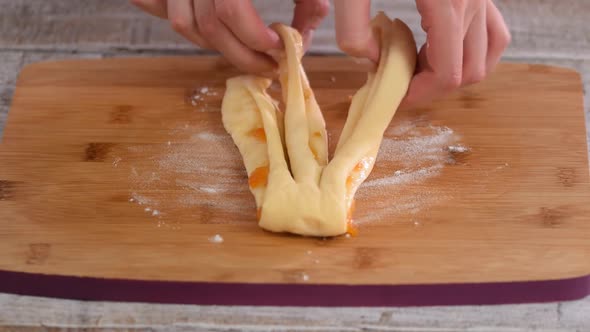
286	154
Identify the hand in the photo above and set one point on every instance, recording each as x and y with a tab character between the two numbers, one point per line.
234	28
464	42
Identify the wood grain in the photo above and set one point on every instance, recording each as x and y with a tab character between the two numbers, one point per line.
536	38
65	209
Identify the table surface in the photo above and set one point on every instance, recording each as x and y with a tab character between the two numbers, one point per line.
544	31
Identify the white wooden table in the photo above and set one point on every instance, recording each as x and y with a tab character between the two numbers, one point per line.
544	31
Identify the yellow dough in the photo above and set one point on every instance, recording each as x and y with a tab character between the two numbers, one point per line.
286	155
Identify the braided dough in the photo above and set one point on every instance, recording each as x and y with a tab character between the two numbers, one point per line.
286	155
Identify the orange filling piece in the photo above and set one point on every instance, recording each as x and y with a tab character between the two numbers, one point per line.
258	213
306	93
313	151
258	178
350	178
349	181
358	167
259	134
351	229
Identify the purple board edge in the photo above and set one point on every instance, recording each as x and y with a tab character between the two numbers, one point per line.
211	293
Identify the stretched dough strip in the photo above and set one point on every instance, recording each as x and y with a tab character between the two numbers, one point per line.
303	117
307	195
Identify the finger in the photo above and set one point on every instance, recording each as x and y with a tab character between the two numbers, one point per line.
353	30
475	49
154	7
244	22
498	36
223	40
422	60
307	16
421	90
444	52
182	19
306	39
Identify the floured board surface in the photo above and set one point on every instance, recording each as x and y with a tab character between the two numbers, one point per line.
118	182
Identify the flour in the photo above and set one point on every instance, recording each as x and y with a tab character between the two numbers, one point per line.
206	136
458	149
411	145
199	96
405	177
201	171
502	166
210	190
420	152
141	200
201	178
216	239
215	188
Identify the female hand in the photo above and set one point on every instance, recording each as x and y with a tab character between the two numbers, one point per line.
233	27
464	42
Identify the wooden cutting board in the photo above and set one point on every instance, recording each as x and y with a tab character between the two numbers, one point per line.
116	176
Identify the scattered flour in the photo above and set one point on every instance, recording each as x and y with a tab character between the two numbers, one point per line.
203	172
206	136
502	166
216	239
209	190
199	173
199	96
304	277
140	199
405	177
418	153
458	149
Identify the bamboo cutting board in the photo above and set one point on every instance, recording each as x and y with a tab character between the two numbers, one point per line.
118	182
